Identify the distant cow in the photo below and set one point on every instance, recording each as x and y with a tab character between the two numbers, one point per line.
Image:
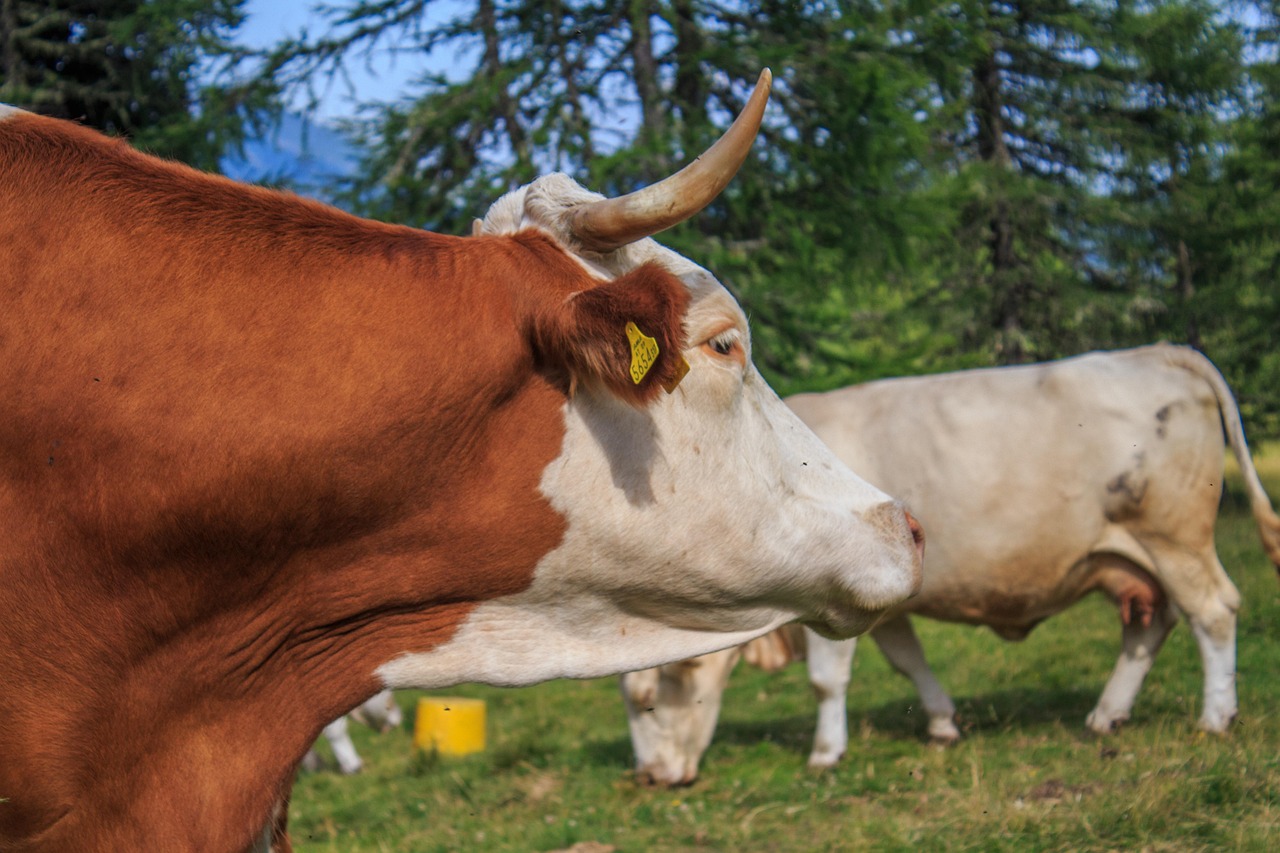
260	459
1037	485
379	712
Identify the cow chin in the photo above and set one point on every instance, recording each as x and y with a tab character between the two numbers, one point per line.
842	627
843	623
874	579
837	622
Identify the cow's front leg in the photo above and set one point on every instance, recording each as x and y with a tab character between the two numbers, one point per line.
829	672
897	639
344	751
1141	641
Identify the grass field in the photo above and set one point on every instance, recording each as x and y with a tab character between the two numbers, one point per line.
1025	777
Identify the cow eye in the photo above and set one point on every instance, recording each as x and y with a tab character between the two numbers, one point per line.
724	344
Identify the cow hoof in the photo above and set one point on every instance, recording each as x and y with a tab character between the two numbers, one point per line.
1218	723
943	731
824	760
1104	724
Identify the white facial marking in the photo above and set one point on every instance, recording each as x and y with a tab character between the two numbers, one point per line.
7	111
694	524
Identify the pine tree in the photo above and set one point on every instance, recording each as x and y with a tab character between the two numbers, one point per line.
134	68
937	186
1235	244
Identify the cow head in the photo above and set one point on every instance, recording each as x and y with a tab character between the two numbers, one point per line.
697	518
672	709
672	712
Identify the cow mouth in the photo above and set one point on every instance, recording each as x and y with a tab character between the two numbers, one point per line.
650	778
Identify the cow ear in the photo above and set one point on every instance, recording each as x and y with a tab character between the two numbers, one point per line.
626	334
641	687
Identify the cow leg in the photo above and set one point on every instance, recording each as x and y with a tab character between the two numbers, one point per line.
1218	653
311	761
1199	587
1210	605
343	749
897	639
1143	635
830	662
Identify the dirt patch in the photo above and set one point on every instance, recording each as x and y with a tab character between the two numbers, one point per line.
1056	791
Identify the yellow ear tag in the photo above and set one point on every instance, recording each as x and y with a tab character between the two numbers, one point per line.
682	370
644	352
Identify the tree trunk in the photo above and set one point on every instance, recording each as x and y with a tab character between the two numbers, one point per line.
691	90
1011	291
9	46
571	68
988	106
1186	290
647	89
487	19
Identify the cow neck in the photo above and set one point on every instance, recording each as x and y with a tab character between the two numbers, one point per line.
286	448
237	696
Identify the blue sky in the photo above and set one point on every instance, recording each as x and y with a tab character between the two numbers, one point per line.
380	77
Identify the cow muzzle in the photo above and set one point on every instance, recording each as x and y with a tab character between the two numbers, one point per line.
661	776
886	573
903	557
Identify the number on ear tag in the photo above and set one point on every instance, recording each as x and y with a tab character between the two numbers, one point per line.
644	352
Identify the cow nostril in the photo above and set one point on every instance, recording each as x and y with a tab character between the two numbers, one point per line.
917	533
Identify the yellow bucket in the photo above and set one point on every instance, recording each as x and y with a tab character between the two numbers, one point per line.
449	725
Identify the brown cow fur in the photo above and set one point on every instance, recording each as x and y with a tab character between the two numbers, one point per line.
237	430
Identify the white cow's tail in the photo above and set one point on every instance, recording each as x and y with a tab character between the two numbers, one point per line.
1263	513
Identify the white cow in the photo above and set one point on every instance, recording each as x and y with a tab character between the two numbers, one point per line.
379	712
1038	485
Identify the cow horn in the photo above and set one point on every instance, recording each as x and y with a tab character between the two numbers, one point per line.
607	224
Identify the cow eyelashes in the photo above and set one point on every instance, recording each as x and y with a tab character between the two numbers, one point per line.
723	344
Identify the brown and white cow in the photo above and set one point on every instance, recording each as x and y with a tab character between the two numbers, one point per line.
260	459
1038	485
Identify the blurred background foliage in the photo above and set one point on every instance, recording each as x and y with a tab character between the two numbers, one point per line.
938	186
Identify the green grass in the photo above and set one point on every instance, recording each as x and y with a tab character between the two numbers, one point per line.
1025	777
